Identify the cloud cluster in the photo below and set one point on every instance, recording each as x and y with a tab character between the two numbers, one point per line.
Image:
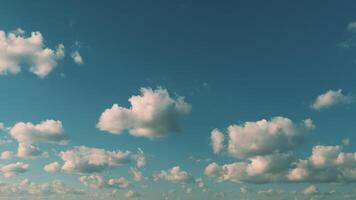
96	181
17	51
152	114
90	160
330	98
31	188
14	169
174	175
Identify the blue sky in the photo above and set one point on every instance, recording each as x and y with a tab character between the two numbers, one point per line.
233	62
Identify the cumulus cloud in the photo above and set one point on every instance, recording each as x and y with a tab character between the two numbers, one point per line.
14	169
89	160
18	51
6	155
311	190
330	98
131	194
28	151
77	58
174	175
52	167
48	131
217	141
96	181
264	137
152	114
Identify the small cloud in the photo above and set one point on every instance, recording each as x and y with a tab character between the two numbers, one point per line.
77	58
329	99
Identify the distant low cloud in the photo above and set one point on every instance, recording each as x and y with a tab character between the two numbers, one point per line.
96	181
90	160
175	175
311	190
153	114
14	169
18	51
329	99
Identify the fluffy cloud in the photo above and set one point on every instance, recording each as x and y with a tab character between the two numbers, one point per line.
311	190
264	137
6	155
77	58
152	114
96	181
330	98
52	167
49	131
175	175
217	141
13	169
17	51
89	160
28	151
131	194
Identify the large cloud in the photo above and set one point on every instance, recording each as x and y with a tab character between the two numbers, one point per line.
14	169
175	175
17	51
152	114
329	99
264	137
89	160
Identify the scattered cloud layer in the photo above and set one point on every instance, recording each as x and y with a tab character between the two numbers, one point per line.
96	181
329	99
152	114
18	51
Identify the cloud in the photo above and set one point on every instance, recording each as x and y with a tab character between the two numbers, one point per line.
137	174
153	114
6	155
31	188
17	51
330	98
77	58
131	194
96	181
28	151
48	131
217	141
264	137
14	169
174	175
52	167
90	160
311	190
351	26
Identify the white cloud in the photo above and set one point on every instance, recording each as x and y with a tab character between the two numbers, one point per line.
330	98
152	114
89	160
175	175
311	190
77	58
217	141
131	194
6	155
17	51
14	169
266	137
52	167
49	131
137	174
28	151
93	181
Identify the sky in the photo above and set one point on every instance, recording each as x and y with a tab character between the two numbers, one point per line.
177	100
